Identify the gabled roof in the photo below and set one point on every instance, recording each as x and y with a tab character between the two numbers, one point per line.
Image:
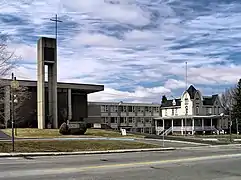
168	103
191	91
209	100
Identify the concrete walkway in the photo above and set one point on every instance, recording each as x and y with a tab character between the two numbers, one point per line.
3	135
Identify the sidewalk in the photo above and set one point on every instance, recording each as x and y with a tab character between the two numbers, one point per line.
2	155
3	135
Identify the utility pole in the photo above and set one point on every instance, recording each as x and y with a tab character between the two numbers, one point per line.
186	107
230	122
12	114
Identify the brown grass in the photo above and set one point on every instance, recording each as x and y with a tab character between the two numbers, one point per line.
71	146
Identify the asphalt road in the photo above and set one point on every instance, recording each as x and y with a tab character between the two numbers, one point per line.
203	163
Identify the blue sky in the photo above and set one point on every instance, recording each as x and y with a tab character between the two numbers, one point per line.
136	48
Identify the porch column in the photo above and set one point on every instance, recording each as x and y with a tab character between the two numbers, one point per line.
182	127
193	125
69	104
172	126
163	126
202	124
155	121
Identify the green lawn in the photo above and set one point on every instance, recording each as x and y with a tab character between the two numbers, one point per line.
71	146
50	133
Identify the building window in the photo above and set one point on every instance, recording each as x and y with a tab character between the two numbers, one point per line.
113	120
114	108
173	111
106	120
142	120
147	120
197	110
138	109
121	119
176	112
130	120
133	120
131	109
150	109
104	108
146	109
123	108
138	119
165	112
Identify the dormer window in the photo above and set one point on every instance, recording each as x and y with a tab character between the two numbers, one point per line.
173	102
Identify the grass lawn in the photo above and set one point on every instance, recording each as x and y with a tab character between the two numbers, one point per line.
71	146
50	133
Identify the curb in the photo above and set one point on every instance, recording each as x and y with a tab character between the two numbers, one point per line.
209	146
2	155
176	141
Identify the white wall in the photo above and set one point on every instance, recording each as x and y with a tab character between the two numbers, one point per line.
190	104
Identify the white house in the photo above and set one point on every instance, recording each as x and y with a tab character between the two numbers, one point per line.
191	114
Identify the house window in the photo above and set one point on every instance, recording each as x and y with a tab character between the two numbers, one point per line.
214	110
176	112
209	110
138	119
186	101
197	110
172	111
165	112
186	110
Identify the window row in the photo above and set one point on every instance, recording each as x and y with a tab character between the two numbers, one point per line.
126	120
174	112
107	108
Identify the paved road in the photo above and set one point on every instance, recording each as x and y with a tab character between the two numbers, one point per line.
203	163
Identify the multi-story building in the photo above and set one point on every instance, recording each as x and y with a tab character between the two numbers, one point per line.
135	117
191	113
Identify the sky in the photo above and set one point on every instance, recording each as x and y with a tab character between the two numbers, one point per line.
136	48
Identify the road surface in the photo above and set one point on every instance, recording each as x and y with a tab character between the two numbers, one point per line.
201	163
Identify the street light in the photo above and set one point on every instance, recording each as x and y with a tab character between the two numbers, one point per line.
119	113
14	86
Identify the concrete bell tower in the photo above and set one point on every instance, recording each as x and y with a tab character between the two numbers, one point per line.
47	55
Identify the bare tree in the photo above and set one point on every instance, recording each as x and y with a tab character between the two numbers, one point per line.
227	99
8	63
22	95
7	58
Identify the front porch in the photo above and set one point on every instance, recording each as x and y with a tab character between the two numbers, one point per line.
189	125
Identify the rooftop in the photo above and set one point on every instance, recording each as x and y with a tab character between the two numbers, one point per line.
87	88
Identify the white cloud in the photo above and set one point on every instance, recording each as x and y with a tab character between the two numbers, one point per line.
130	45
